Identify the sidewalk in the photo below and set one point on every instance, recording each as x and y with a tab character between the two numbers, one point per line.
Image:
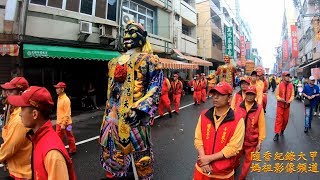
95	113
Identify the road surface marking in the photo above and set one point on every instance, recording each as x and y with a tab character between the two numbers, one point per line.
97	137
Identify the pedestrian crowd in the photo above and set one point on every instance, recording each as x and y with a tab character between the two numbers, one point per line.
235	126
31	148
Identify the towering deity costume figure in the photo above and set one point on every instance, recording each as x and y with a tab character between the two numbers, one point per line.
211	78
226	72
134	88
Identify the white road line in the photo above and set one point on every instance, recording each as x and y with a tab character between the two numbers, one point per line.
97	137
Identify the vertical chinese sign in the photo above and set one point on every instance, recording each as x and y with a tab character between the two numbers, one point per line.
243	50
229	42
294	38
285	49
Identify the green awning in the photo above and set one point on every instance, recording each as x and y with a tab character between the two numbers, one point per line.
44	51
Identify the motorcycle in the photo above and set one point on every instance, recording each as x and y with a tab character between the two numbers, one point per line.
300	89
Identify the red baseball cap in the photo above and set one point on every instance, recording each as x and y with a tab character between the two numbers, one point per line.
223	88
35	96
6	86
247	80
16	83
285	73
251	89
60	85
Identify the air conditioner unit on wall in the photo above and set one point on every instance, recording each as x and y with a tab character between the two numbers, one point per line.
85	27
126	17
107	31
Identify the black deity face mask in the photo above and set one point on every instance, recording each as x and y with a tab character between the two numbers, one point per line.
134	36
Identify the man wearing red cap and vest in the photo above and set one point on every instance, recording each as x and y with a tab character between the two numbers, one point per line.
177	89
260	73
197	86
164	98
204	88
258	84
255	131
239	96
218	137
64	121
50	159
16	149
284	95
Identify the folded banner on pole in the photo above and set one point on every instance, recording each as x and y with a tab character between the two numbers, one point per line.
9	49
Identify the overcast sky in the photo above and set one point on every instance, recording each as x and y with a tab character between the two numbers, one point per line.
265	20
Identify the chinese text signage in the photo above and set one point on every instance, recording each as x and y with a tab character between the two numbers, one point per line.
285	49
289	162
243	50
229	42
294	38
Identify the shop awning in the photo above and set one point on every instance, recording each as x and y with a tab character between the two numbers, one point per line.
44	51
172	64
199	61
309	64
178	53
9	49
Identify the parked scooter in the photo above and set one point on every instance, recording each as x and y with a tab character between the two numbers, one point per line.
299	92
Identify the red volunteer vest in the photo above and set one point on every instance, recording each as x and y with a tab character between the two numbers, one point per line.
176	89
239	99
215	140
204	84
197	85
164	89
285	92
44	140
251	119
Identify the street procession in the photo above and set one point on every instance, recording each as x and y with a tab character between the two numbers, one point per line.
159	90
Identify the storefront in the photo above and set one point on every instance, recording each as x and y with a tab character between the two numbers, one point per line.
9	61
305	69
78	67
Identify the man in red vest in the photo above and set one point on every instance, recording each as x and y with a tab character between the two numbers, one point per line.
255	132
204	88
218	137
50	158
197	90
265	88
239	96
284	95
177	89
164	99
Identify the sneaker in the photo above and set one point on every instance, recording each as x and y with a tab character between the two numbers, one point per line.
305	130
315	113
319	114
276	137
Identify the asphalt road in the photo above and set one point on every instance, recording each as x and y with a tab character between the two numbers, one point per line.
175	153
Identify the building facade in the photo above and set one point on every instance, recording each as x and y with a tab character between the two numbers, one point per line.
307	22
10	28
213	18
